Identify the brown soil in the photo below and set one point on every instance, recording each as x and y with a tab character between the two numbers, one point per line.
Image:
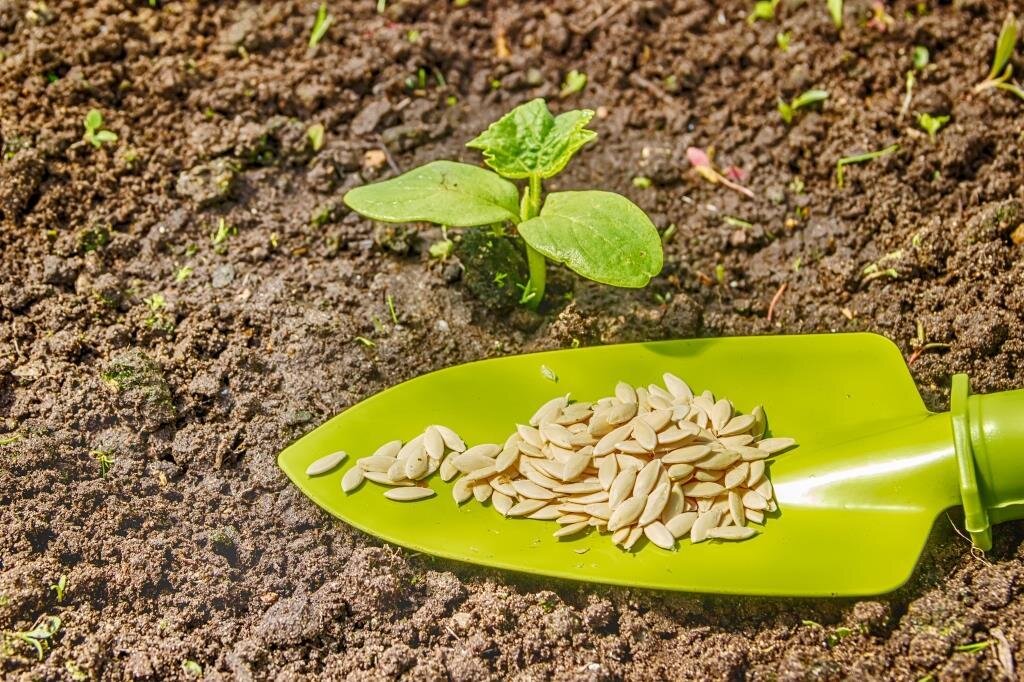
194	547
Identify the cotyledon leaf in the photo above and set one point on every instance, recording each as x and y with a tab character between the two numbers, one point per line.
530	141
601	235
442	192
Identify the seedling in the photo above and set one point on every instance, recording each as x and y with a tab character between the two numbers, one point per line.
921	344
920	57
764	10
391	308
782	39
973	647
94	133
642	182
59	587
320	26
835	10
908	95
880	19
702	164
806	99
40	637
191	668
861	158
442	248
105	460
602	236
315	135
931	124
366	342
574	82
1002	71
183	273
221	234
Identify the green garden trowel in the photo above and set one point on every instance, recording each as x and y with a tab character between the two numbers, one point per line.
857	497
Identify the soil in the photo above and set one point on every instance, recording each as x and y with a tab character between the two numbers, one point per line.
149	376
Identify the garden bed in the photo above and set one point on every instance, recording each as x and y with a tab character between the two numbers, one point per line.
179	304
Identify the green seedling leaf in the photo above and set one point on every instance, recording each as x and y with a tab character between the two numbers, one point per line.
93	120
788	111
574	82
973	647
1005	45
93	134
1012	88
442	192
320	26
315	134
764	10
931	124
835	10
782	39
529	141
920	57
861	158
600	235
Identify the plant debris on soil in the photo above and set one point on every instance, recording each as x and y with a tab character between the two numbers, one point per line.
184	299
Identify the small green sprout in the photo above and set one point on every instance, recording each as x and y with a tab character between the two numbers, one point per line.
920	57
366	342
782	39
973	647
642	182
156	302
908	95
1002	71
531	145
931	124
835	10
191	668
183	273
413	36
764	10
861	158
320	26
75	671
381	6
737	222
223	231
94	133
315	135
59	587
805	99
105	460
574	82
391	308
40	637
669	232
442	248
8	438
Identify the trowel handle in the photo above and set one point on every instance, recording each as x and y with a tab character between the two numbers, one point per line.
988	432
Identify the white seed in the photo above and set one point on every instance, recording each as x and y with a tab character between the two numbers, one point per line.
702	475
462	491
501	502
326	463
737	475
481	474
619	536
530	489
677	387
754	516
550	409
607	471
729	442
756	472
409	494
632	447
530	435
702	489
575	466
732	533
680	472
657	419
571	529
557	434
416	464
489	450
448	469
658	534
581	488
625	393
774	445
737	425
687	455
719	461
647	478
720	413
611	439
384	479
764	489
622	487
566	519
736	510
675	504
409	448
630	462
502	485
644	434
592	498
621	413
389	449
754	500
680	524
750	454
704	523
600	510
481	491
627	513
635	533
468	461
451	439
352	479
760	421
656	502
526	507
507	457
433	443
375	463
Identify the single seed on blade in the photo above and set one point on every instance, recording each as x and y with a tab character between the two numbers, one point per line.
416	465
607	471
619	536
601	510
642	404
468	461
389	449
557	434
462	491
774	445
549	409
409	494
481	474
680	472
396	472
655	504
736	510
756	472
630	462
675	504
644	434
737	475
527	488
764	489
754	500
647	478
729	442
433	442
750	454
608	441
627	513
571	529
760	421
567	519
451	439
580	488
686	455
383	479
432	466
658	534
632	447
732	533
625	393
635	533
526	507
718	461
481	491
680	524
657	391
352	479
737	425
719	414
507	457
530	435
621	413
575	466
677	387
375	463
755	516
501	502
622	487
702	475
678	433
326	463
704	523
502	485
528	450
702	489
657	419
592	498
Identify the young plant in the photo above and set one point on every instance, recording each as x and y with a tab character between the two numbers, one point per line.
835	10
702	164
602	236
931	124
806	99
574	82
40	637
1002	71
94	133
861	158
320	26
764	10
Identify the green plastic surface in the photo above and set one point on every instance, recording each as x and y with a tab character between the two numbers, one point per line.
857	497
